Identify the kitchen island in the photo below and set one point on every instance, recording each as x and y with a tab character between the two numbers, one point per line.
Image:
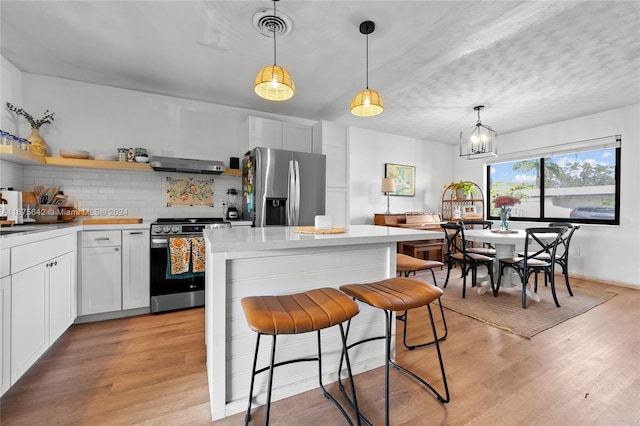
245	262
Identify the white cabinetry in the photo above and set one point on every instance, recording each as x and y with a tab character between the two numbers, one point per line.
100	272
135	269
62	295
336	147
42	298
277	134
114	271
5	321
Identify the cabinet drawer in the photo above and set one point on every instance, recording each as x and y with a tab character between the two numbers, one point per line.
28	255
101	238
5	265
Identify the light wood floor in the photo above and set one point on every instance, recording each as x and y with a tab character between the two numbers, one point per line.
151	370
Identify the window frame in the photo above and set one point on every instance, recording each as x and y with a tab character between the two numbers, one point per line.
541	159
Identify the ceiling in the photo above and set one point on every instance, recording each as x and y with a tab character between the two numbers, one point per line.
529	62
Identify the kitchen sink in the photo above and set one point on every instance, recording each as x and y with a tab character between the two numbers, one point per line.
21	229
11	231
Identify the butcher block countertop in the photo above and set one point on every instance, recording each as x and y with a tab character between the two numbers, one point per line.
111	220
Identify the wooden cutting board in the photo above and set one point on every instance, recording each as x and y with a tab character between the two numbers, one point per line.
112	221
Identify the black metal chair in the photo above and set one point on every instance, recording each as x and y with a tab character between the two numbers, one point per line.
487	249
562	259
562	254
457	252
538	242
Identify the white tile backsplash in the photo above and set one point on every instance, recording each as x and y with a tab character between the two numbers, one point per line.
11	175
109	192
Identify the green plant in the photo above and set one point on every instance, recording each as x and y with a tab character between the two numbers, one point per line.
35	124
466	187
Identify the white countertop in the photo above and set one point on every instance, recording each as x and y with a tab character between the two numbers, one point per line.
282	237
29	233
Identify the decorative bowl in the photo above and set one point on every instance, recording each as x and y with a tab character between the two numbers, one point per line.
67	213
46	213
142	159
73	153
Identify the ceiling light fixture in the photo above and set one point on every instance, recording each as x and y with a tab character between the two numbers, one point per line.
368	102
479	141
273	82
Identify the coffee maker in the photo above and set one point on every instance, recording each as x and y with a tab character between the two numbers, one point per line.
232	204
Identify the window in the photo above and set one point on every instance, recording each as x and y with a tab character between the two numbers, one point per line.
579	185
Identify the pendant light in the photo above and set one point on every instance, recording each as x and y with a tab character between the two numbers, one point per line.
480	141
273	82
368	102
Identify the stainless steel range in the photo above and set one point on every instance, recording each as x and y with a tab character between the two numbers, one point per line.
171	290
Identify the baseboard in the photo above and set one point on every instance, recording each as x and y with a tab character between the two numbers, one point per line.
111	315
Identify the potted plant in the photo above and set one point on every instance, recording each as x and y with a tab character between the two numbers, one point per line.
38	145
461	189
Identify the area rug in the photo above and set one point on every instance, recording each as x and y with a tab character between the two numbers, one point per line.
505	311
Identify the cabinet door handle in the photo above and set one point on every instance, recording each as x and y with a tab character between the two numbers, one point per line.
135	233
54	263
117	249
103	239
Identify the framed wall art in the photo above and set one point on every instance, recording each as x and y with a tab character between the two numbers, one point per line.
404	177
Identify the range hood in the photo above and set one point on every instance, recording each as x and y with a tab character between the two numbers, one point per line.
186	165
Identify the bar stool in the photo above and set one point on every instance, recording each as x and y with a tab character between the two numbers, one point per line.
298	313
406	264
396	295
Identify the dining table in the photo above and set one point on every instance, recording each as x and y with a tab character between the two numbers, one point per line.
505	243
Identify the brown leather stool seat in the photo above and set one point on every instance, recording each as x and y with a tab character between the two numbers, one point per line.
312	310
404	266
398	294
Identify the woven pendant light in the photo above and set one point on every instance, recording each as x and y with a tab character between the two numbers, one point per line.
368	102
273	82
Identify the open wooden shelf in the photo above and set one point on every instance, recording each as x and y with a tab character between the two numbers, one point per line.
232	172
97	164
16	155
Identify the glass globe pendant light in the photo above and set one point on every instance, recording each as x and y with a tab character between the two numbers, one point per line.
274	83
368	102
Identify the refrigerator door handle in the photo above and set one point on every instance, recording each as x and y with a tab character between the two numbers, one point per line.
290	194
297	197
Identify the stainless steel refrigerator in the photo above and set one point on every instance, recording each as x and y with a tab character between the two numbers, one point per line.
282	188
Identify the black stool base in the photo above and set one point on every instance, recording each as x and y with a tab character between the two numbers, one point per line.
272	365
389	361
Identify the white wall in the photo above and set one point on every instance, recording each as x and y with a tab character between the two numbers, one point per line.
370	150
10	91
610	253
101	119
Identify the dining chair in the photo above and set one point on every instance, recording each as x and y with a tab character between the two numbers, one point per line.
562	254
487	249
539	242
457	252
562	258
